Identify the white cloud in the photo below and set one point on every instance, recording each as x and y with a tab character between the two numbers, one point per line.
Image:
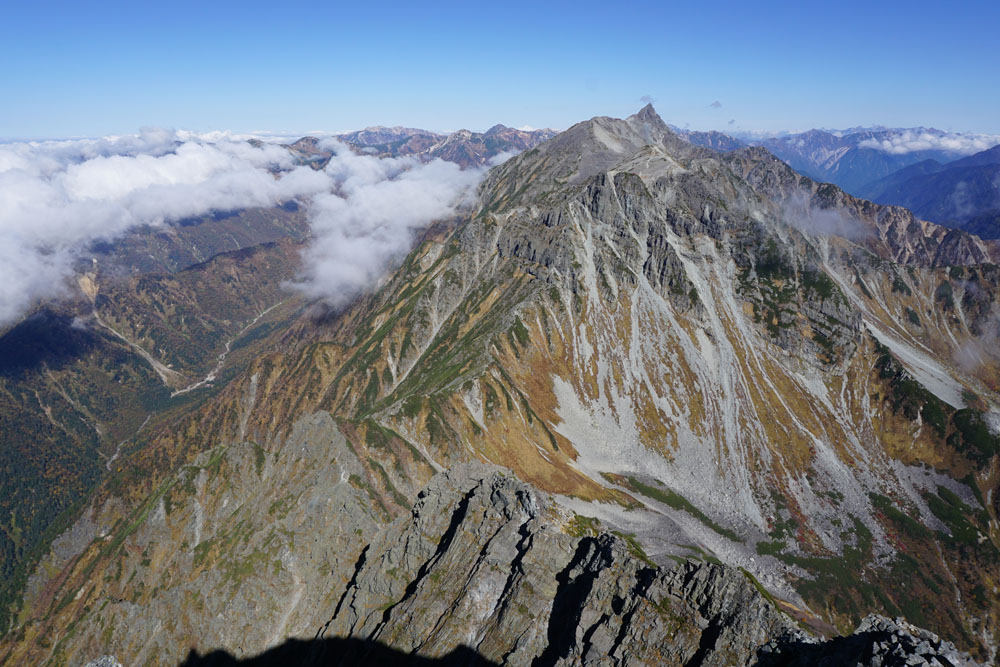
909	141
799	211
58	196
370	219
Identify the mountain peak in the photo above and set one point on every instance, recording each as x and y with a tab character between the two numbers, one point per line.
648	117
647	113
648	125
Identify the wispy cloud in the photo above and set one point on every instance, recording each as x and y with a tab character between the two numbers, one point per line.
800	211
909	141
716	104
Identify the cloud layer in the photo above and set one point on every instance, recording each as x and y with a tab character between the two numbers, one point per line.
370	218
909	141
58	197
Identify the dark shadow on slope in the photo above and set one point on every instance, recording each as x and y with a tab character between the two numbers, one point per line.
334	653
857	649
575	583
44	340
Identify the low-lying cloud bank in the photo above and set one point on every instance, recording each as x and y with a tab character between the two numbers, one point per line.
370	218
56	198
909	141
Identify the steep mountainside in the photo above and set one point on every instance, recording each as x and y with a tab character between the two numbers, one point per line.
175	246
897	178
83	381
710	354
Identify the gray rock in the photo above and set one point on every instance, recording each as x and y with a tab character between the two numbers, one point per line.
104	661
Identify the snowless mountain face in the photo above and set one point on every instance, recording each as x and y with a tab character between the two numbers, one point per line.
710	355
84	378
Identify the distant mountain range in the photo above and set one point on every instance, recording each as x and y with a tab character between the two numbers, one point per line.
964	194
463	147
929	171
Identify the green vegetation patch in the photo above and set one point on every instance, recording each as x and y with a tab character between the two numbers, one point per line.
634	547
955	514
903	522
944	296
259	458
676	501
908	396
583	526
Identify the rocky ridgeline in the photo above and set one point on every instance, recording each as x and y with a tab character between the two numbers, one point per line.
483	571
482	561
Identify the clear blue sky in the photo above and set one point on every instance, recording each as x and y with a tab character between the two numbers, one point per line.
80	69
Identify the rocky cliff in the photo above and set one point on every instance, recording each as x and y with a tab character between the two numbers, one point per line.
486	567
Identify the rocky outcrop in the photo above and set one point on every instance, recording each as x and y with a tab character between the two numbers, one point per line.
104	661
483	571
483	561
877	642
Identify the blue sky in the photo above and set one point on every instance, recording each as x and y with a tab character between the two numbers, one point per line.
84	69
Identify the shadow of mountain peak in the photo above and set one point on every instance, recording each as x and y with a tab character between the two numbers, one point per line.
334	652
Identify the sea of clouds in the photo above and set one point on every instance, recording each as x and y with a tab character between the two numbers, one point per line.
909	141
58	197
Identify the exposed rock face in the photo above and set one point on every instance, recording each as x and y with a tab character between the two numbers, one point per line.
482	567
877	642
482	561
104	661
